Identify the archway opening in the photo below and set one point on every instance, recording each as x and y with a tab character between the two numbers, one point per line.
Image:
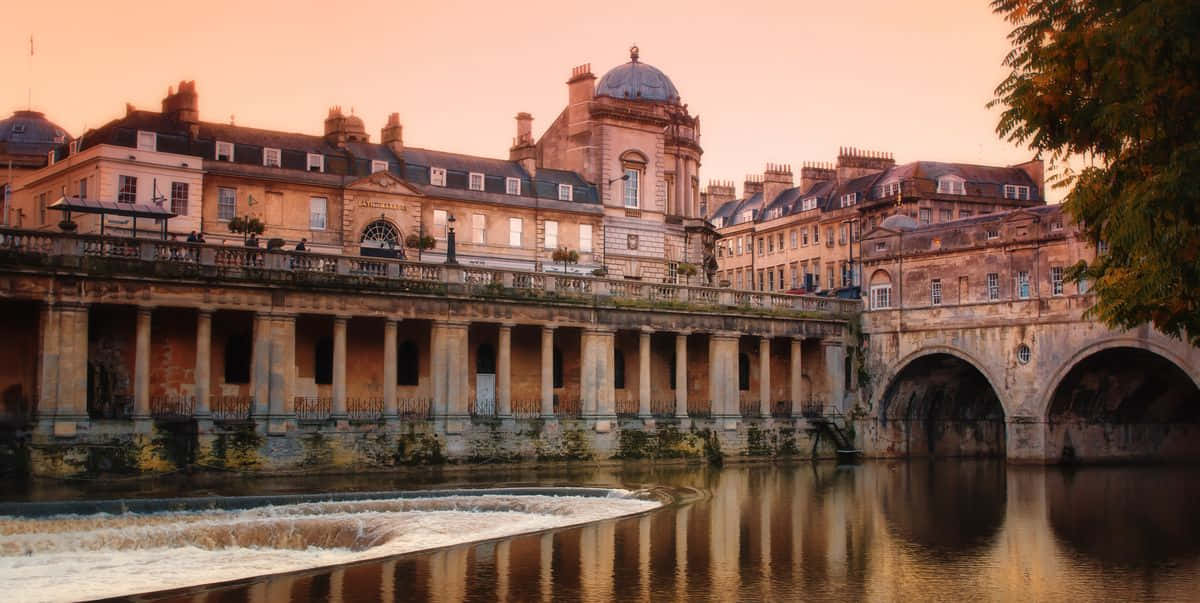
381	239
941	405
1124	403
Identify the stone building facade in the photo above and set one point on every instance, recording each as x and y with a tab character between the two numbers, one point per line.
782	236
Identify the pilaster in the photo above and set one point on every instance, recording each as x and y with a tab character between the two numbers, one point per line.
681	395
390	411
141	370
504	371
282	371
644	374
764	377
547	372
797	376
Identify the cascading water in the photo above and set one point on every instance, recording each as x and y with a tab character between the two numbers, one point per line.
79	556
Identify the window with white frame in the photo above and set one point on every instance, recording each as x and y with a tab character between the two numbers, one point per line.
83	188
379	165
226	203
848	199
816	238
1056	226
1056	280
770	244
1016	191
317	208
126	189
809	203
935	292
993	286
475	181
881	297
804	237
147	141
794	271
633	190
945	215
512	186
1023	284
271	157
179	198
439	223
1102	247
316	162
890	189
952	185
437	176
739	245
993	233
478	229
585	238
73	147
515	228
779	272
566	192
795	236
1081	286
761	247
224	151
551	227
747	216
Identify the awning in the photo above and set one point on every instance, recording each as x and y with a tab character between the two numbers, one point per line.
111	208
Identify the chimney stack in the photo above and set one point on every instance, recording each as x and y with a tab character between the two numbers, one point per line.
776	179
813	172
523	150
182	106
752	185
392	136
853	163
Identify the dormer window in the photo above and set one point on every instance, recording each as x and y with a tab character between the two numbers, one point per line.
475	181
73	147
952	185
880	246
316	162
18	129
566	192
224	151
809	203
1056	226
147	141
50	157
747	216
890	189
378	165
271	157
437	176
1016	191
848	199
512	186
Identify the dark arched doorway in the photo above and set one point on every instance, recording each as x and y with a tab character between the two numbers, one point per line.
381	239
941	405
1124	403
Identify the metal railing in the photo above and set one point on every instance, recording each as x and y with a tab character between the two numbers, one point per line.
750	408
571	408
231	408
172	407
527	408
114	407
662	408
364	410
699	409
471	280
627	407
312	409
414	409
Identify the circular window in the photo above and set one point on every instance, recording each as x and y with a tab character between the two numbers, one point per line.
1023	354
381	234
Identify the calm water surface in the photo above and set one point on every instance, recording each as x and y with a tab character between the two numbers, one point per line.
903	531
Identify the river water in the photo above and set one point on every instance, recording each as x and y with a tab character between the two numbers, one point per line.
880	531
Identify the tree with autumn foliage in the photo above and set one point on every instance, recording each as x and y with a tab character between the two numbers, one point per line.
1115	85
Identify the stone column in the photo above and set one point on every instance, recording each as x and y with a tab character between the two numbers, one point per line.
644	374
764	376
723	376
679	195
547	371
339	368
48	383
596	373
203	372
282	373
389	370
797	376
260	379
504	372
141	367
681	396
835	372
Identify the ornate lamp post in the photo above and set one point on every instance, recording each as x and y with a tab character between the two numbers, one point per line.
450	258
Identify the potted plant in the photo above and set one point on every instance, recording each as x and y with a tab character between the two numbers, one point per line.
420	243
565	256
600	272
687	271
246	226
67	226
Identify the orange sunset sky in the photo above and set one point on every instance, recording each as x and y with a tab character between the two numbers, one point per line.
781	82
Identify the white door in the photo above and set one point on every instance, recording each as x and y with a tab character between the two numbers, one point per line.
485	394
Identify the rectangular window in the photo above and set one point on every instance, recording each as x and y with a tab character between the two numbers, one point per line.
795	239
951	186
816	234
780	242
551	234
1056	280
770	244
515	226
795	273
761	284
964	213
881	297
1056	226
780	273
147	141
317	207
226	203
945	215
760	246
566	192
809	203
316	162
271	157
585	238
632	188
849	199
378	165
993	234
512	186
829	236
1102	247
479	229
475	181
829	274
83	188
224	151
41	208
935	292
963	290
439	223
126	189
1023	284
672	272
1016	191
804	237
1082	286
179	198
739	246
890	189
924	215
437	176
993	286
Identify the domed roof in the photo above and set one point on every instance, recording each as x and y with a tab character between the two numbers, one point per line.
899	222
637	81
31	127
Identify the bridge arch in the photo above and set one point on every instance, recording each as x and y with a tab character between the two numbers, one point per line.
941	401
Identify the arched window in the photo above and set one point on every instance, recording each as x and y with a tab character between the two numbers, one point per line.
381	239
633	166
408	363
618	369
485	360
237	358
743	372
881	290
558	368
323	361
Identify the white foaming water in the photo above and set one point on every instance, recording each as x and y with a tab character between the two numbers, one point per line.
70	557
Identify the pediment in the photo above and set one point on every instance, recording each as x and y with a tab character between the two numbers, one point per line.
384	182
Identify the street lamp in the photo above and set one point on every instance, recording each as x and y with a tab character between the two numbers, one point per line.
450	258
